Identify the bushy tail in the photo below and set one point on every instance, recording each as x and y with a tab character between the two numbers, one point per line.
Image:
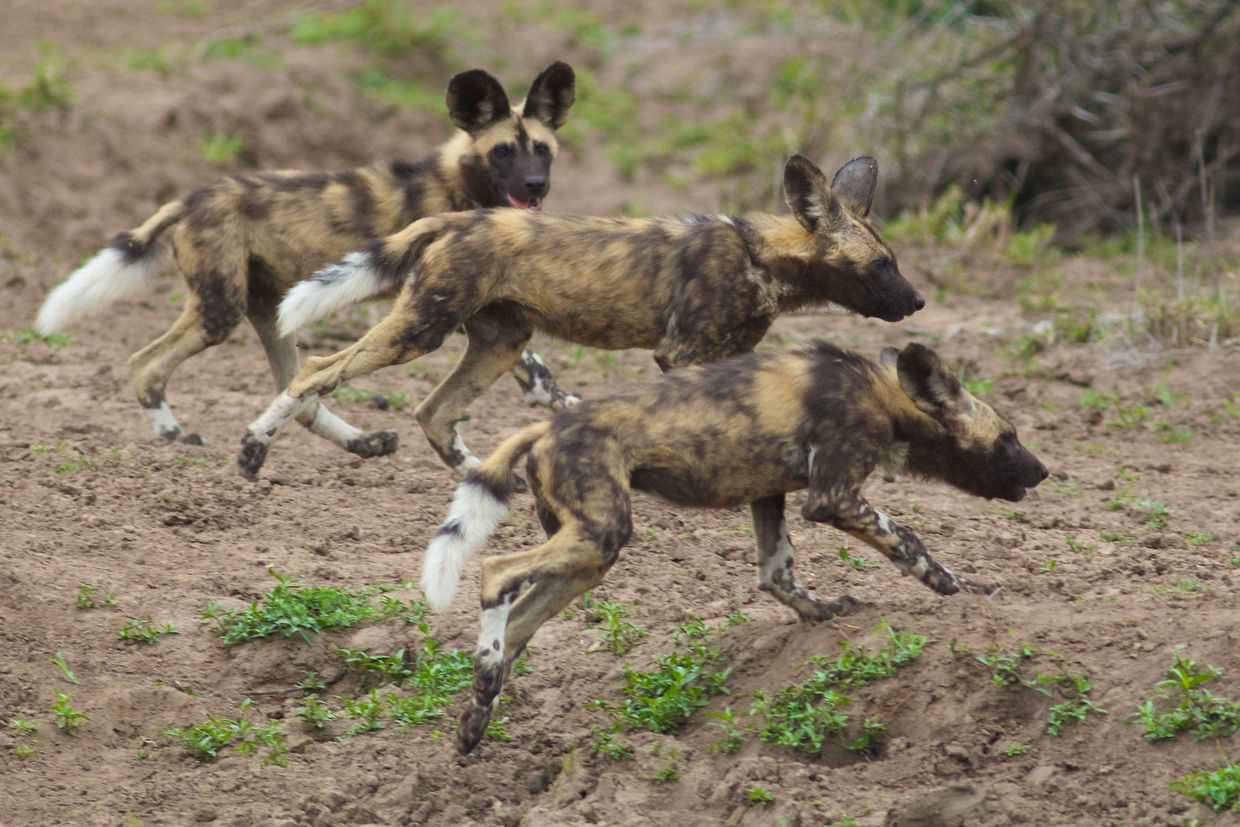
378	269
480	505
121	269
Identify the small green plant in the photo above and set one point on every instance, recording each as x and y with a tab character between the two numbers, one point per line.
608	744
22	727
222	149
367	710
23	751
759	795
291	609
377	668
737	618
413	611
1219	789
436	676
204	741
663	699
618	634
1015	749
68	719
667	774
846	821
142	630
1193	708
978	387
311	683
1199	538
807	715
388	28
1072	711
314	712
88	597
29	335
497	730
855	563
59	661
733	737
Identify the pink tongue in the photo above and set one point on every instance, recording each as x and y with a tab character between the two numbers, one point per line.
520	205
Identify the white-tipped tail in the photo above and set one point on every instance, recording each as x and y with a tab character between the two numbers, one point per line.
104	279
348	281
475	515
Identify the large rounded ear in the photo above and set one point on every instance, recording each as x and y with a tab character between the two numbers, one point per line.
551	95
931	387
854	184
476	100
806	192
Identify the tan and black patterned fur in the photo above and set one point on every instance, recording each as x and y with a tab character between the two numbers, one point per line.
242	242
748	430
694	290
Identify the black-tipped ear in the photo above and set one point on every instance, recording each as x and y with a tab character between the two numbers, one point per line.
926	381
551	95
806	191
476	100
854	184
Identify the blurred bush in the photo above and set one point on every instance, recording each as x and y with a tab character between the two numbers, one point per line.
1072	111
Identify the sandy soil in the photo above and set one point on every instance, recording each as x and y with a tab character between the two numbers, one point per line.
1090	579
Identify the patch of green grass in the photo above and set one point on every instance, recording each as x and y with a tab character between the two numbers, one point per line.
1183	704
737	618
977	387
1199	538
247	48
206	740
28	335
142	630
68	719
23	751
806	716
148	60
1168	434
1074	710
88	597
23	728
367	710
733	737
436	676
1218	789
1015	749
759	795
665	698
312	682
59	661
618	634
291	609
407	94
381	668
388	28
380	399
185	8
607	743
314	712
222	149
855	563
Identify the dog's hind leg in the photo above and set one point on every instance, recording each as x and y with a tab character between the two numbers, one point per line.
497	337
151	367
562	568
775	564
538	384
399	338
283	357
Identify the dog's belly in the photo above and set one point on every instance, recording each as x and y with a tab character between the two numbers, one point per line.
701	483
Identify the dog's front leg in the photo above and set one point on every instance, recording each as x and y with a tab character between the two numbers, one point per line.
775	564
852	514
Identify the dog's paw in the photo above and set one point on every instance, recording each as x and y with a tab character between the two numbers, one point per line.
250	459
376	444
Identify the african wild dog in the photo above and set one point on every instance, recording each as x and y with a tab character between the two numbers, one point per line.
695	290
748	430
243	241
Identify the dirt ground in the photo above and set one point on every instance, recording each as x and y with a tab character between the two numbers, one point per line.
1130	551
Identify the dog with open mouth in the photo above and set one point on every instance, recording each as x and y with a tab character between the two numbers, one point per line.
242	242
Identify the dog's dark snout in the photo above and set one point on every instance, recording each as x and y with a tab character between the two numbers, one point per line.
918	301
1043	471
536	184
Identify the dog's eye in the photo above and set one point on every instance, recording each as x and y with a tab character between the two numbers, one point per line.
881	263
541	149
502	151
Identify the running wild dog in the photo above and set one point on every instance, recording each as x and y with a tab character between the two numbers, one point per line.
748	430
243	241
695	290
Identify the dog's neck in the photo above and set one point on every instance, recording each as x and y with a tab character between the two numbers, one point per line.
465	175
791	257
